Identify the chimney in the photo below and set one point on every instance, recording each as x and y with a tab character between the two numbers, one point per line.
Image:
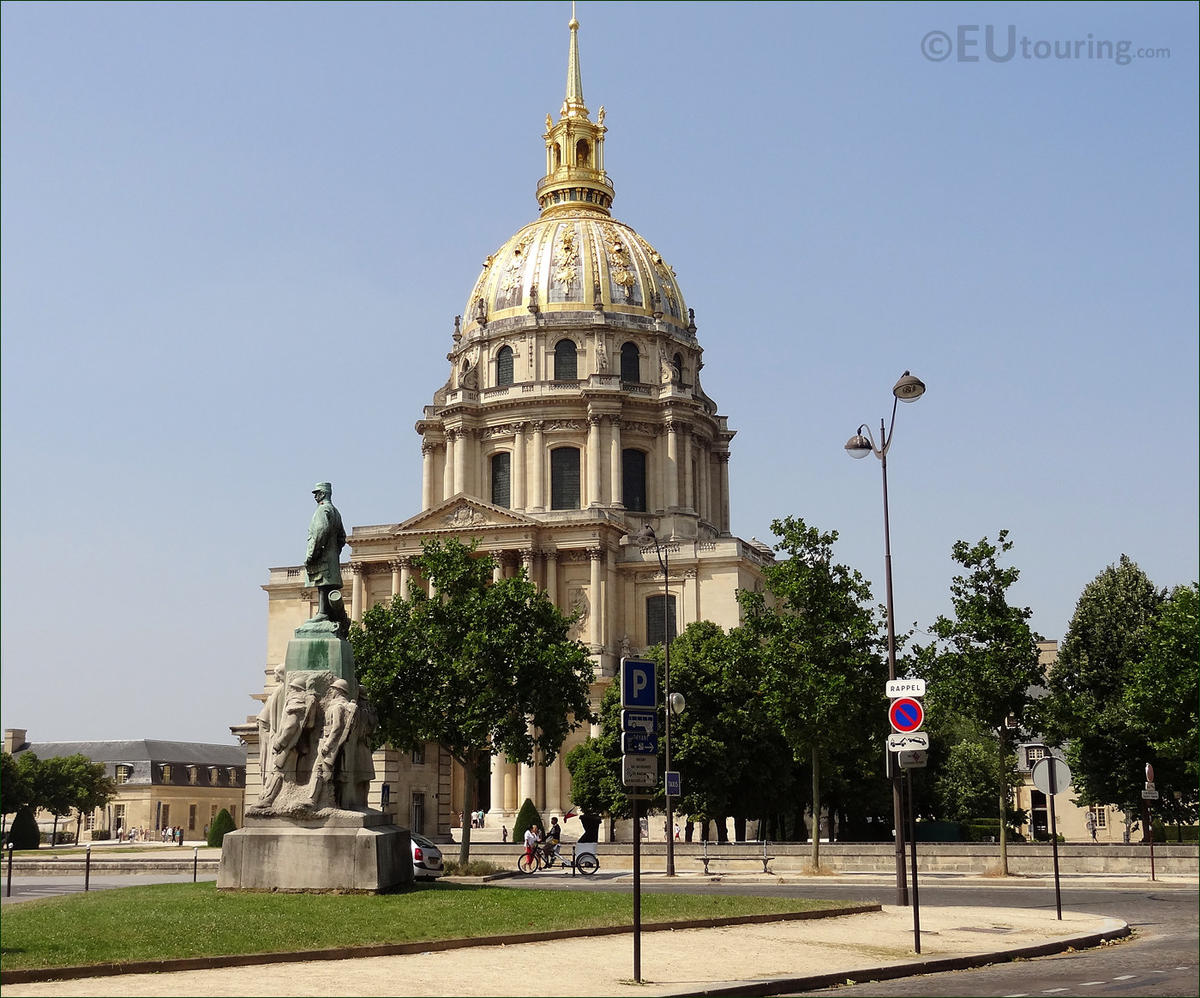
14	740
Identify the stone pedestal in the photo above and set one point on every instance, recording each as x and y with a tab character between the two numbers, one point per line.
339	851
317	647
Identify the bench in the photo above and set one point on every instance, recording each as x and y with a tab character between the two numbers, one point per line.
716	857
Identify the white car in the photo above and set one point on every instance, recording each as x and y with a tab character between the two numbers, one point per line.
427	858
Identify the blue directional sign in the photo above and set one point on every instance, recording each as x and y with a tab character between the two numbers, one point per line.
645	721
674	784
638	688
636	743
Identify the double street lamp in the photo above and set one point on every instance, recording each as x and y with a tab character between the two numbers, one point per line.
907	389
675	702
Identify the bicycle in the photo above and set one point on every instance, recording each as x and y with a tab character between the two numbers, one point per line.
584	862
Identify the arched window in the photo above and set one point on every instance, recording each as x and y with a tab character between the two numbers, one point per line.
504	366
557	155
677	363
564	478
583	153
502	479
633	479
660	619
566	365
631	366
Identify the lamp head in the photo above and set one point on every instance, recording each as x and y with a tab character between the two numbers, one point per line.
908	388
859	446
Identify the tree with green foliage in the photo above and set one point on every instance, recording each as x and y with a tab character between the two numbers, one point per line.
14	787
1163	688
92	787
221	826
1110	637
732	756
478	666
983	663
819	638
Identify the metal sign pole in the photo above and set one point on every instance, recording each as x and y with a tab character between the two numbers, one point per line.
1150	832
637	892
916	896
1054	839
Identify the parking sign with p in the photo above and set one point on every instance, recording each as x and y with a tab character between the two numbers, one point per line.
638	686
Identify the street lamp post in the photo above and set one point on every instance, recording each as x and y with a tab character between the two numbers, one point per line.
907	389
646	537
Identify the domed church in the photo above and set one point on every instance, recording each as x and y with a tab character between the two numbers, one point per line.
572	416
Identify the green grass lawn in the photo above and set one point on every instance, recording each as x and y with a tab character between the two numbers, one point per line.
167	921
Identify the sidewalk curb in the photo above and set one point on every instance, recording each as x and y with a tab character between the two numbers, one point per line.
784	985
400	949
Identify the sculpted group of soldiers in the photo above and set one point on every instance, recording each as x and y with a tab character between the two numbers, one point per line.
315	737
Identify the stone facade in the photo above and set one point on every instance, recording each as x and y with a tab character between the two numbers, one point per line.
572	415
160	784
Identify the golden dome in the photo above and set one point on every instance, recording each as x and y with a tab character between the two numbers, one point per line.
575	260
575	257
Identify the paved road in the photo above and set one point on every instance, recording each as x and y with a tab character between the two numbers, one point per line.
33	886
1159	959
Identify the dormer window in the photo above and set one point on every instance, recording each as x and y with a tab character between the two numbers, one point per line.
123	773
166	774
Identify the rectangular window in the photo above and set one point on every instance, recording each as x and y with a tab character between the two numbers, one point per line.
212	814
233	812
118	816
123	773
164	819
502	479
191	817
1099	815
1035	752
564	478
418	755
89	821
193	774
417	813
633	479
166	774
660	618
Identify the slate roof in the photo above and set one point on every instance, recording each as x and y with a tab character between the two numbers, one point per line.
144	750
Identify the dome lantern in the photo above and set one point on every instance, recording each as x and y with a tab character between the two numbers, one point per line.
575	177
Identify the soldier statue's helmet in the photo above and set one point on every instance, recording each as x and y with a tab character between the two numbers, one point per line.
323	487
341	686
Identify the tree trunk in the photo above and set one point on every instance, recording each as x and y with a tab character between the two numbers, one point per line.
816	810
78	820
54	833
722	831
687	831
739	829
471	769
1003	806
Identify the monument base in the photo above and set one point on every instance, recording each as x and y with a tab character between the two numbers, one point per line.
343	851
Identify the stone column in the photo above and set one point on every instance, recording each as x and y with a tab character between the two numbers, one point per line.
448	467
595	598
527	562
462	447
537	494
498	766
660	470
518	467
593	461
705	510
671	471
405	575
528	788
396	587
689	484
510	787
610	599
724	460
427	486
357	591
616	486
552	576
498	567
554	786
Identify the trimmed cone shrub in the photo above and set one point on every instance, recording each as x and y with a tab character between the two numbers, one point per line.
222	824
528	815
23	833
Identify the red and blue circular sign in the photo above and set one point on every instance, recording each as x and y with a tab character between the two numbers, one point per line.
906	714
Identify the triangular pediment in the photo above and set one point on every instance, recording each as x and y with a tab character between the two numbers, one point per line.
461	512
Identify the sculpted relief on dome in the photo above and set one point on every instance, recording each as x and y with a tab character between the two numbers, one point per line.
565	262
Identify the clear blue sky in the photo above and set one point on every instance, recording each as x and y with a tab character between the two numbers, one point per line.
235	237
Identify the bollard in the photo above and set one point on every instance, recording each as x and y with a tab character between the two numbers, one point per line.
87	868
195	862
8	890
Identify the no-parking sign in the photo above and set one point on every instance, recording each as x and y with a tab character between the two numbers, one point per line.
906	714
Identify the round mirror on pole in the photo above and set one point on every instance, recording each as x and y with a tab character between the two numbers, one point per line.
678	703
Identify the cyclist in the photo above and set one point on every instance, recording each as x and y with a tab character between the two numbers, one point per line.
531	842
553	836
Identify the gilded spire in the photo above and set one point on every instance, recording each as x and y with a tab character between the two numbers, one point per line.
575	177
573	106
